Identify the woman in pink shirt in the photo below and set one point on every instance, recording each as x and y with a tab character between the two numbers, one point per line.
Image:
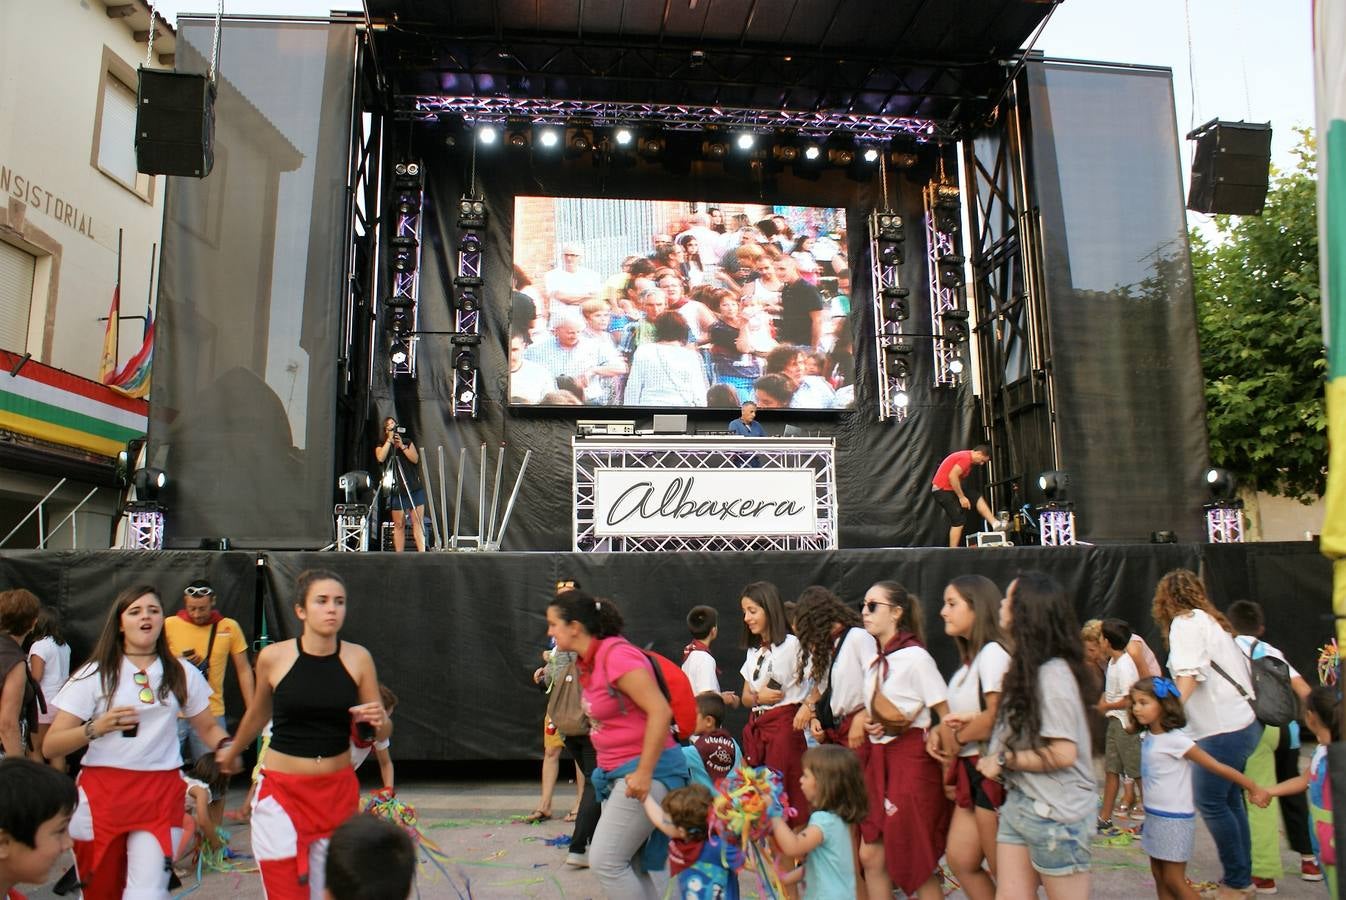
637	756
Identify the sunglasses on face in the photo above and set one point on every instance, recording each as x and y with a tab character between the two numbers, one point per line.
872	606
146	695
199	591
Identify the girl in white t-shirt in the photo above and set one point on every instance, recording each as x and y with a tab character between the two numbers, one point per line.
971	615
1166	754
124	706
49	664
773	688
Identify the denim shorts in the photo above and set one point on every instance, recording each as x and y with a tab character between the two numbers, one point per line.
1055	848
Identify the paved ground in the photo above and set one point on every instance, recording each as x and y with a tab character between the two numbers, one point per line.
494	858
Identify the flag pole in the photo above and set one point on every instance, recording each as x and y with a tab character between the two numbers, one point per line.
116	348
149	295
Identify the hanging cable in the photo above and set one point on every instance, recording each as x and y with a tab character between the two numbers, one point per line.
1191	65
149	48
215	42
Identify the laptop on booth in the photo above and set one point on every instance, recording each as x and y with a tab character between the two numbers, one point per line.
669	423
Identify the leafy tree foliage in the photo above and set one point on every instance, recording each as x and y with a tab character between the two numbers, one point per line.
1259	316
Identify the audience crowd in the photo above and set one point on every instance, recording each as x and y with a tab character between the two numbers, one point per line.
897	777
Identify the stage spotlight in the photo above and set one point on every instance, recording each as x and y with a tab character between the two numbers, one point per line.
579	140
623	137
548	137
468	299
904	160
947	215
148	483
955	325
471	212
518	134
714	149
870	155
785	153
889	227
401	351
652	147
1222	483
812	152
891	253
465	360
901	399
895	303
956	366
466	395
898	359
1054	484
487	134
841	156
518	140
404	257
745	141
354	484
951	270
470	242
407	176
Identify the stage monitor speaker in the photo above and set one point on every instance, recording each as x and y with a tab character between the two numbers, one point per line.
1230	168
175	124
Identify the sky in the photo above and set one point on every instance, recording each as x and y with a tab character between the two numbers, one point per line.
1251	60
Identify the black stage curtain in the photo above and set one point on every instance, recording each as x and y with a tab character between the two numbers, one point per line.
457	636
1121	323
245	359
883	468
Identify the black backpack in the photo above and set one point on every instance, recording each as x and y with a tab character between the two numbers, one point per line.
1273	700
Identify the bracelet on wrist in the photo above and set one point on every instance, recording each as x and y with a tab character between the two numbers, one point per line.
88	730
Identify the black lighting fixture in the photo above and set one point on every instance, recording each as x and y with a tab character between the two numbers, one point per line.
714	148
468	297
951	270
651	146
1054	485
785	153
842	157
469	242
891	253
398	301
579	139
465	360
471	212
401	316
400	351
547	138
408	204
896	306
889	226
948	208
1222	484
624	137
488	134
355	486
149	482
518	134
898	358
745	141
126	460
407	175
404	254
955	325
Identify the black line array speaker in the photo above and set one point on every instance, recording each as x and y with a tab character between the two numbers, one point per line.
175	124
1230	168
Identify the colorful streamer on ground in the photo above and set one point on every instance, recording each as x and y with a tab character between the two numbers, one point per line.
385	805
1329	663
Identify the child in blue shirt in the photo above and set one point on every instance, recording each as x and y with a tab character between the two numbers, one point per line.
835	789
702	865
712	752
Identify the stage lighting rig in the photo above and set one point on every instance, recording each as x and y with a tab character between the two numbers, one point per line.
548	137
813	153
352	517
1056	517
579	139
652	146
487	134
467	298
623	136
870	155
785	153
745	141
714	149
842	157
1055	485
891	253
405	247
955	325
408	203
951	270
891	310
471	212
896	303
898	358
145	514
465	373
944	271
465	360
407	176
1224	514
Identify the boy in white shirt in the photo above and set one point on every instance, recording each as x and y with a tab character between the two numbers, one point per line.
1121	748
697	662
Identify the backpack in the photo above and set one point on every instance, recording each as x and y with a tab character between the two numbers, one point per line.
677	690
1273	700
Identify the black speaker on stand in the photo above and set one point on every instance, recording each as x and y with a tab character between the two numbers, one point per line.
175	123
1230	168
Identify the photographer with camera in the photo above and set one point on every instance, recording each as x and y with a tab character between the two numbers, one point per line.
204	638
402	484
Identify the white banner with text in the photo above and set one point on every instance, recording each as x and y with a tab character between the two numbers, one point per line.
693	502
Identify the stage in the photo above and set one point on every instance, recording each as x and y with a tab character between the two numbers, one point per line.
458	635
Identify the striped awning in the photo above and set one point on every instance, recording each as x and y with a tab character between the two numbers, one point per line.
53	405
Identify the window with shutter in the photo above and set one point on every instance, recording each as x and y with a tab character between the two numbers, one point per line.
16	296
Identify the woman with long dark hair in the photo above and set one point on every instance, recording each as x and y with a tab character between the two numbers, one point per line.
971	614
908	822
773	688
835	651
49	663
316	689
631	736
1212	675
1040	746
123	704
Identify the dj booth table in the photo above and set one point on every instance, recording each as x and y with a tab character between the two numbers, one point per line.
671	493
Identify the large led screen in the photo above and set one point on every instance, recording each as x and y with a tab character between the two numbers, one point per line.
677	305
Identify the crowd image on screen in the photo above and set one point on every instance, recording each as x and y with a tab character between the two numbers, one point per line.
714	310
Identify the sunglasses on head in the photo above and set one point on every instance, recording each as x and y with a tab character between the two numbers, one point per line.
872	606
199	591
146	695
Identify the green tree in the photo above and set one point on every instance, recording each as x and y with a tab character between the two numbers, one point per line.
1259	317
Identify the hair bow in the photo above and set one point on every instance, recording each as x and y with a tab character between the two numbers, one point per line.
1165	688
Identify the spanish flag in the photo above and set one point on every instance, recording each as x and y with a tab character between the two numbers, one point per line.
134	378
1329	50
107	366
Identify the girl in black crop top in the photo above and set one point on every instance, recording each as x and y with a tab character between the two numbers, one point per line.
315	689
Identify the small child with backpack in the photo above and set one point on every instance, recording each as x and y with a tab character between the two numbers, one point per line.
702	865
712	752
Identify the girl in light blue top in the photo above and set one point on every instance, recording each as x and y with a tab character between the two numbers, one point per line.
835	788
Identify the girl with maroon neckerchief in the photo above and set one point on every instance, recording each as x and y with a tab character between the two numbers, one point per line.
908	822
123	705
315	689
773	689
833	640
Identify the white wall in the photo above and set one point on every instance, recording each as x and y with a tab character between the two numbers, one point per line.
1283	519
51	62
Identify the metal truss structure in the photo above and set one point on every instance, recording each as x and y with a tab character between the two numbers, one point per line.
352	527
144	526
893	351
1224	522
946	297
817	125
467	305
402	303
1005	245
1056	525
591	454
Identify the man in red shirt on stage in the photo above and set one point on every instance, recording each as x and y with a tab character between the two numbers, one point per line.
953	498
